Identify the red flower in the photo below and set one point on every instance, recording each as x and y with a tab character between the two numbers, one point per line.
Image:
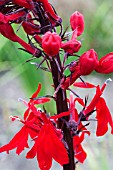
88	62
77	22
51	43
103	115
48	145
105	64
32	125
72	46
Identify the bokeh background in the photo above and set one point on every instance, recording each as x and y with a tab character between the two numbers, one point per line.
18	79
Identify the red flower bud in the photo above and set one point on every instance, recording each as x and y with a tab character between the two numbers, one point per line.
51	43
77	22
71	46
105	64
88	62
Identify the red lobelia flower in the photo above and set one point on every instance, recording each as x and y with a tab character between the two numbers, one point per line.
103	115
32	125
48	145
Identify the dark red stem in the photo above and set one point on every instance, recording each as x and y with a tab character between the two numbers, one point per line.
61	105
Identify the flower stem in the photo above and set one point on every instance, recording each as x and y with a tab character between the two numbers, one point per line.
61	105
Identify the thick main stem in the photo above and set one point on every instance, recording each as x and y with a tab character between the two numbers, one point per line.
61	105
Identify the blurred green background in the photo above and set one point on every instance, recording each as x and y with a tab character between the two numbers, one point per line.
18	79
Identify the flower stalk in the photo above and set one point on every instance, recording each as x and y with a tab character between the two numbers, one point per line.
61	105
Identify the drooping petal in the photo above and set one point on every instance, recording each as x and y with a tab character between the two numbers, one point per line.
48	146
94	101
103	118
80	154
19	141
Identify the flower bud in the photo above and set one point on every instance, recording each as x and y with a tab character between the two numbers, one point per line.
88	62
51	43
71	46
77	22
105	64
